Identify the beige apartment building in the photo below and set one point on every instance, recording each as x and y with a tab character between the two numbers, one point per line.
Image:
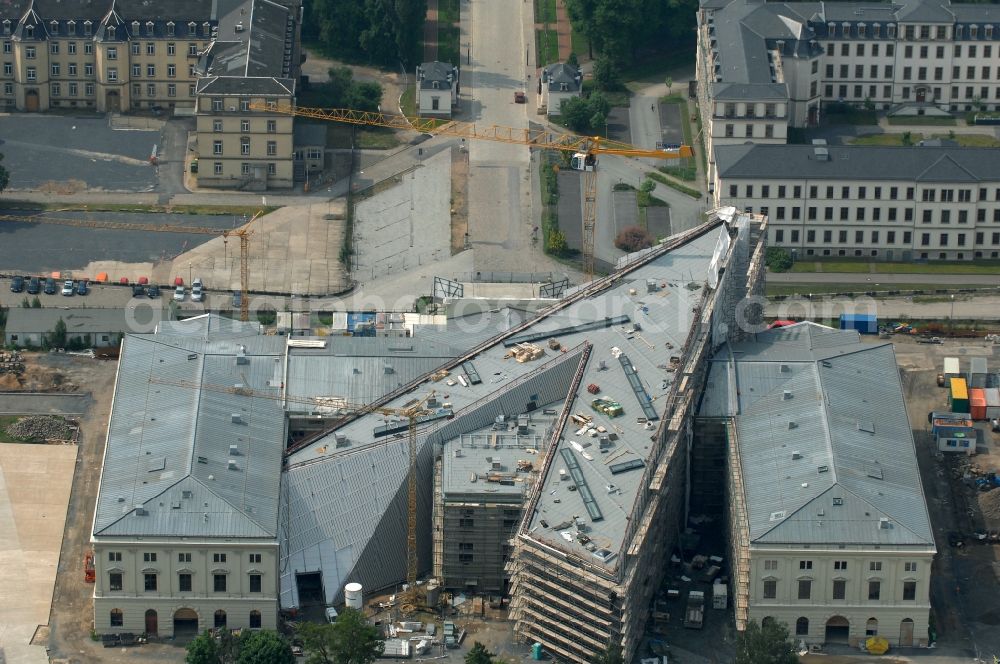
829	531
929	202
181	56
763	67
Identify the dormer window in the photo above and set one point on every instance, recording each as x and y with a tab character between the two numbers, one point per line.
989	31
170	28
71	27
436	85
861	29
973	31
206	29
563	87
111	32
29	31
6	26
875	30
958	32
54	26
88	28
149	28
192	29
892	31
135	28
831	28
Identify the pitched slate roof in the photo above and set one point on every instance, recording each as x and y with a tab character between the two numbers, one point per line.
561	74
858	162
825	442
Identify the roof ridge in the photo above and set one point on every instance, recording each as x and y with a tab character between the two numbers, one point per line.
125	514
947	157
235	508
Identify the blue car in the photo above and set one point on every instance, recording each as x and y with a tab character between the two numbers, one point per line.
81	287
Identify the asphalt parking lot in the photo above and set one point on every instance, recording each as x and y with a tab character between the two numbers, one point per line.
63	153
39	248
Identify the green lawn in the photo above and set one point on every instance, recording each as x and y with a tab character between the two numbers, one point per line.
408	101
546	47
579	44
965	140
662	179
685	168
921	120
545	11
448	49
375	138
937	267
654	68
840	114
6	421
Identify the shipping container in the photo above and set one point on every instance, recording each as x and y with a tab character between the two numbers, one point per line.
959	396
863	323
992	395
952	369
977	372
977	403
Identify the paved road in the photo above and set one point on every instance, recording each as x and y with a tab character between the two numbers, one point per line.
876	279
29	403
965	308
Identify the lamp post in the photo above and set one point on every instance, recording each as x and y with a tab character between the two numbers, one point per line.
951	318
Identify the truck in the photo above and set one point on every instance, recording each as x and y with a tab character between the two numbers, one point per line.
694	613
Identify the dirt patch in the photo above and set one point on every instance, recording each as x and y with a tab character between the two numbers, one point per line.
41	374
459	199
316	67
64	187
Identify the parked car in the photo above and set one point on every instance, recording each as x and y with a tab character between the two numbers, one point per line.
237	299
519	97
17	284
34	285
138	290
68	287
197	290
153	291
50	286
82	287
179	293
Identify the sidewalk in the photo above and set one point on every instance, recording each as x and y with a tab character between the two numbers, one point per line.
431	32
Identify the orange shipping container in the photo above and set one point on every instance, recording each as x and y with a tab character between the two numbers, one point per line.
977	403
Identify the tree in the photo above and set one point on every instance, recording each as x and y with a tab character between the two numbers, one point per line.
576	114
572	60
25	304
264	647
203	650
907	139
599	121
670	83
57	337
777	259
634	238
767	644
350	640
4	175
478	654
607	74
36	303
610	655
555	242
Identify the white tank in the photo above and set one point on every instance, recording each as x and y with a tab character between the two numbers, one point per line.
353	596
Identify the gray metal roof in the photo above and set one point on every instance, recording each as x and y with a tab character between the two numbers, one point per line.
362	369
858	162
343	500
168	451
825	440
925	11
175	10
78	320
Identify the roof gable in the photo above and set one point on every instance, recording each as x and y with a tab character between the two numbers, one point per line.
946	169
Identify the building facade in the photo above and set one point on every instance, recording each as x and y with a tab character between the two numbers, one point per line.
764	67
437	89
560	82
834	542
879	203
194	544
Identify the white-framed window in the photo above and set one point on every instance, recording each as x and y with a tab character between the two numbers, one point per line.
272	148
111	32
136	71
171	71
244	105
272	168
216	147
29	52
88	89
135	48
56	89
244	126
31	74
314	153
245	168
151	71
88	28
112	52
192	48
112	74
8	88
875	566
74	89
218	557
54	48
8	69
910	567
218	168
254	558
71	69
770	565
216	125
170	28
171	89
71	48
56	69
150	48
88	48
114	556
88	69
151	89
171	47
244	145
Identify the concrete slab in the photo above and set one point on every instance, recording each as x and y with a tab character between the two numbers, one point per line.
571	208
407	225
35	483
626	210
670	124
658	221
619	126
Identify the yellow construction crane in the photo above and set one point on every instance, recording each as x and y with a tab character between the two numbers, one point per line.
243	233
412	411
585	149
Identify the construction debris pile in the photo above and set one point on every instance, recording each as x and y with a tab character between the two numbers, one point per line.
524	352
989	503
37	428
11	362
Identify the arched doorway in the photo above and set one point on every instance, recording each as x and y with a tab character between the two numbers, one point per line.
220	619
838	630
185	623
112	101
802	627
151	622
871	627
31	102
255	619
906	633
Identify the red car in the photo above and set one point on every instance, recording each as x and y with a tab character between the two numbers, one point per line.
519	97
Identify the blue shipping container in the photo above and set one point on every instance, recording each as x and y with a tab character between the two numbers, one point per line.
863	323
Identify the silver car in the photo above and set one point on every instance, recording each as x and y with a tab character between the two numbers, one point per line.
179	294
